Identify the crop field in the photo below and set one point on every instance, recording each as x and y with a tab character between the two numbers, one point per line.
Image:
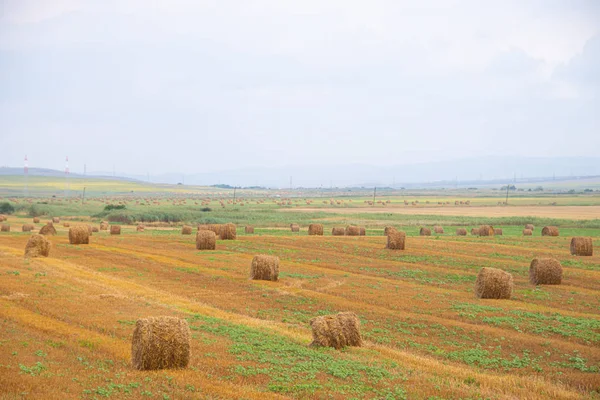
66	321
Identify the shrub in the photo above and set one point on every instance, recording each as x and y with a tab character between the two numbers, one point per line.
110	207
6	208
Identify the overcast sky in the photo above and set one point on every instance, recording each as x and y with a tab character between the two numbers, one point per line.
193	86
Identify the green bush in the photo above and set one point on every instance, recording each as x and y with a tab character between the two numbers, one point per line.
6	208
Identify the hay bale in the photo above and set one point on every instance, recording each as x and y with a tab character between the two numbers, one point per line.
486	230
249	229
315	230
140	228
337	331
3	217
497	231
79	235
396	240
295	227
160	343
582	246
527	232
352	230
203	227
228	232
438	229
66	225
337	231
545	271
103	226
425	232
115	229
206	240
529	226
475	231
389	229
216	228
363	231
5	228
94	229
550	231
27	228
186	230
48	229
90	229
461	232
36	220
264	268
55	220
37	246
493	283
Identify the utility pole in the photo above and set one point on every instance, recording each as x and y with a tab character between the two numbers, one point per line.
507	187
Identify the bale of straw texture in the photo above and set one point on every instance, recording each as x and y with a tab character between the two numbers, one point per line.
550	231
2	217
498	231
206	240
115	229
425	232
249	229
486	230
264	268
5	228
388	230
66	225
48	229
140	228
493	283
186	230
55	220
27	228
295	227
203	227
527	232
438	229
461	232
228	232
545	271
582	246
338	231
315	230
94	229
396	240
36	220
337	331
79	235
160	343
103	226
352	230
529	226
37	246
363	231
475	231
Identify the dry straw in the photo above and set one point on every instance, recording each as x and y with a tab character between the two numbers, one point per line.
186	230
486	230
338	231
48	229
27	228
249	229
315	230
475	231
103	226
337	331
363	231
115	229
5	228
66	225
438	229
94	229
295	227
206	240
79	235
425	232
352	230
228	232
493	283
461	232
550	231
140	228
497	231
396	240
527	232
55	220
264	268
582	246
545	271
160	343
389	229
37	246
529	226
36	220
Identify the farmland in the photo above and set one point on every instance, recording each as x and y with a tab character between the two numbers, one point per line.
67	320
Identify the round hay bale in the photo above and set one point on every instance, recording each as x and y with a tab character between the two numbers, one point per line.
389	229
315	230
140	228
352	230
203	227
228	232
115	229
363	231
396	240
264	268
37	246
160	343
438	229
475	231
186	230
295	227
461	232
66	225
529	226
206	240
27	228
493	283
545	271
48	229
3	217
55	220
94	229
337	231
249	229
425	232
79	235
582	246
486	230
103	226
497	231
337	331
527	232
550	231
5	228
36	220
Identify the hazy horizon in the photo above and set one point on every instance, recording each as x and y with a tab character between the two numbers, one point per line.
196	87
